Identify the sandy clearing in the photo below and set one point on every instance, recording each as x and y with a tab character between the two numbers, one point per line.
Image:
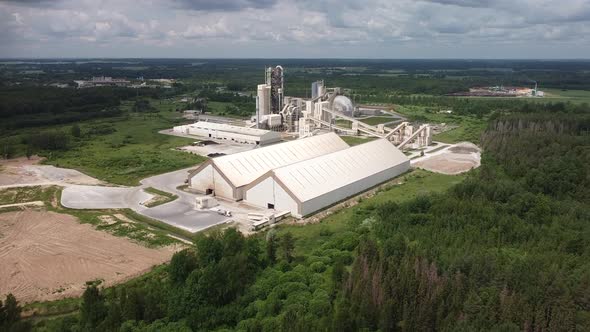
459	158
47	256
23	171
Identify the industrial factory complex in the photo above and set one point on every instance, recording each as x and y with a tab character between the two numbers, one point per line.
294	159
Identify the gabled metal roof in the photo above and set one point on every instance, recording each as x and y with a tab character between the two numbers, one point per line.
245	167
315	177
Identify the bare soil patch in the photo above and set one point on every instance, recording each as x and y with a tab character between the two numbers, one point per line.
457	159
23	171
47	256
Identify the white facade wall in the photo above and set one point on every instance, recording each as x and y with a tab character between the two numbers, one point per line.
335	196
209	178
214	133
268	191
202	180
219	134
263	99
181	129
222	188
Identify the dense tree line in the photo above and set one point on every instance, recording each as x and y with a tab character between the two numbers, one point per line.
10	311
506	250
42	106
482	106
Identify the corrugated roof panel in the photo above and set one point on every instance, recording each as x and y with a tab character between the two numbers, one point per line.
314	177
245	167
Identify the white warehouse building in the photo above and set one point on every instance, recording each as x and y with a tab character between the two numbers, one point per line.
229	132
227	176
311	185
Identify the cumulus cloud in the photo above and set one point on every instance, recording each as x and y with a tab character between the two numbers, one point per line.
267	28
224	5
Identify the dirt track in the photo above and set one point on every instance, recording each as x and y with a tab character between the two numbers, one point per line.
48	256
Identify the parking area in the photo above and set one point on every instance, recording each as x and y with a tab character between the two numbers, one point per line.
180	213
98	197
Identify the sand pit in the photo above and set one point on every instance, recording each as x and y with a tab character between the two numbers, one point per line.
23	171
459	158
47	256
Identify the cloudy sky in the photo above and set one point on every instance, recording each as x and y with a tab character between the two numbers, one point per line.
296	28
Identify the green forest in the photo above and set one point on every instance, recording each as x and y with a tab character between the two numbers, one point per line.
507	249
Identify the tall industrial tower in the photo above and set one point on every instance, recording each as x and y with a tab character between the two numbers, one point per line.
274	78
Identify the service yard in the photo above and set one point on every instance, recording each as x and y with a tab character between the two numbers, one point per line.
47	256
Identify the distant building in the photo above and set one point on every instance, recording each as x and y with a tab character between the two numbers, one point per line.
228	132
102	81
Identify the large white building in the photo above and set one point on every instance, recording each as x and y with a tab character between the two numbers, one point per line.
311	185
228	132
227	176
263	99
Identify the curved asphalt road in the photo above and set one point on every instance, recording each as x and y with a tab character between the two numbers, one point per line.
179	213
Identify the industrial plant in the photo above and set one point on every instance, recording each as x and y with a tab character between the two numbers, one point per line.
502	91
314	167
304	117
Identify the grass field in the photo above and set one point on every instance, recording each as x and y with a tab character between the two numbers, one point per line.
120	150
127	149
311	237
28	194
552	96
343	123
469	128
469	131
574	96
161	197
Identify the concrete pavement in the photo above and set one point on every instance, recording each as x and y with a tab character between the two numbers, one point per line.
179	213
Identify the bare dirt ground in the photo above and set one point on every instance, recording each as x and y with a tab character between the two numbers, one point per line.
457	159
48	256
23	171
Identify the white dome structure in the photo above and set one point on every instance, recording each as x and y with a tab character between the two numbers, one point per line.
342	104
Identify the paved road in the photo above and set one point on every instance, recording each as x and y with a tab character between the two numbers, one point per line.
97	197
179	213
